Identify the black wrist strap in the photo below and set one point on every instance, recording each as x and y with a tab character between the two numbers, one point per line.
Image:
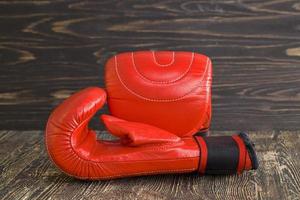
225	154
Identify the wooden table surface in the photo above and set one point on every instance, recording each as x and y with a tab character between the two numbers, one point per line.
50	49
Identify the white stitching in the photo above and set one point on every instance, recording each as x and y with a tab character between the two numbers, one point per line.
156	100
162	82
163	65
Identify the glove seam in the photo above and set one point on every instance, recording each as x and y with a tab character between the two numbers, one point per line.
163	65
163	82
158	100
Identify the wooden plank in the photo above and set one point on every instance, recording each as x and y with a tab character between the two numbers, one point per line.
49	49
27	173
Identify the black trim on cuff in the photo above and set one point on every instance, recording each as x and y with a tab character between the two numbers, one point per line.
250	148
223	155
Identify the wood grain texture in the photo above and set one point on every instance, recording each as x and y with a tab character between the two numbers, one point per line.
49	49
27	173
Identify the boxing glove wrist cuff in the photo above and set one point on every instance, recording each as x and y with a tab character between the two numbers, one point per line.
226	154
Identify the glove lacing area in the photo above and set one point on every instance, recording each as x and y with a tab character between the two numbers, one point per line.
74	148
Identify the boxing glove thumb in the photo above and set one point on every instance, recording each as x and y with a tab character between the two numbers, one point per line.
135	134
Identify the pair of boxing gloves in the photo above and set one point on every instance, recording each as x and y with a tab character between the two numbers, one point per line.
160	105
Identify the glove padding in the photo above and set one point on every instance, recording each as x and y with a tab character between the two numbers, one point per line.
141	149
167	89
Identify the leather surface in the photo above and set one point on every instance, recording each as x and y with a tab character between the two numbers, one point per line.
158	100
166	89
73	147
140	150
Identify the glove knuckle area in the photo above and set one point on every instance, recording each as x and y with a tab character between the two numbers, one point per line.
141	87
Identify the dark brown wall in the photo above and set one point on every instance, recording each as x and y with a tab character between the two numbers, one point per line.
49	49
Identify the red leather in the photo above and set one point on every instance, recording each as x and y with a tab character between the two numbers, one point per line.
166	89
141	149
203	155
73	147
134	134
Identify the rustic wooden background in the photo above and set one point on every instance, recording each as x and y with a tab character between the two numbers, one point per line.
49	49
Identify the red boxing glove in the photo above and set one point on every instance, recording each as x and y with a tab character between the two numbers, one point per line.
141	150
166	89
